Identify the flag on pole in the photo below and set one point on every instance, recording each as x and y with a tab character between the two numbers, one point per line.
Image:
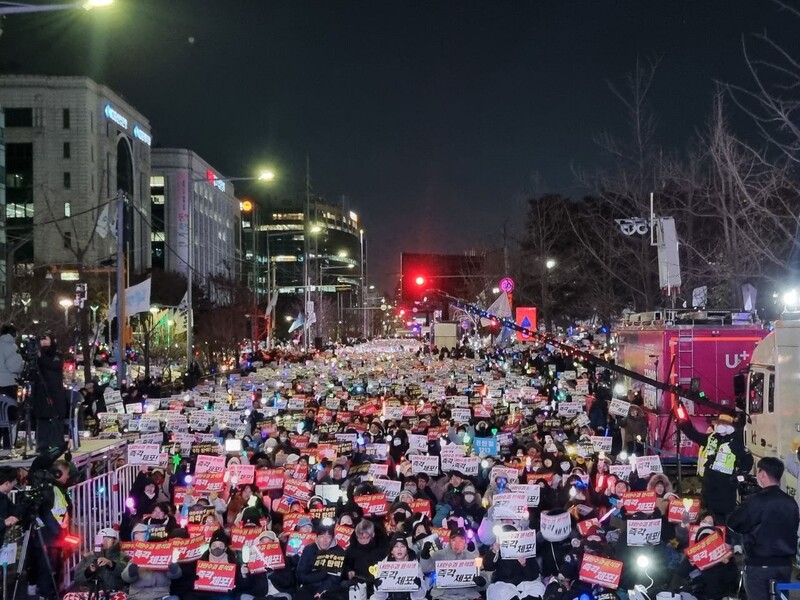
137	300
500	308
102	223
184	303
298	323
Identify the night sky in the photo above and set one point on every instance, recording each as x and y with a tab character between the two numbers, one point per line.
429	117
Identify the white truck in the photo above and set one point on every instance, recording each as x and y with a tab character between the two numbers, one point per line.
445	334
773	395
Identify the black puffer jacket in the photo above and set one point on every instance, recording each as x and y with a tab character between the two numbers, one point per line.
359	557
510	570
768	521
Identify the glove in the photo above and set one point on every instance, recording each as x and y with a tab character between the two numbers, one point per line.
426	550
378	582
133	570
417	582
479	581
471	547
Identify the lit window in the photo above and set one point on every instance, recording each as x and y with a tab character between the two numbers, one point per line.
67	209
157	181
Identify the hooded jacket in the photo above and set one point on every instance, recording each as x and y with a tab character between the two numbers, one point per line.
662	502
11	362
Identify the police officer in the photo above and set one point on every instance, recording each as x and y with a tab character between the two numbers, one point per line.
721	456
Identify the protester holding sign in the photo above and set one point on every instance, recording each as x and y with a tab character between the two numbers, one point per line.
321	567
367	548
148	583
511	576
456	550
400	552
225	573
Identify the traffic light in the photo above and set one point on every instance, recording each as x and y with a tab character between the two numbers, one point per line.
246	205
419	280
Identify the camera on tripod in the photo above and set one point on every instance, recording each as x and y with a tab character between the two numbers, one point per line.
29	350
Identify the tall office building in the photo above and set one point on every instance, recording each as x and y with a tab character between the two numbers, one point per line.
71	144
195	218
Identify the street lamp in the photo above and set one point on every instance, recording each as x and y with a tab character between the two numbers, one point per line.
550	263
266	175
65	304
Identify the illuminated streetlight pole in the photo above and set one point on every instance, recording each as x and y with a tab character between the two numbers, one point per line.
65	304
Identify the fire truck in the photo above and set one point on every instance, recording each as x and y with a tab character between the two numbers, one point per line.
705	351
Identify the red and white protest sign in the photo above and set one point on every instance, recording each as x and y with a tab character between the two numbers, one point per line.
209	482
215	577
604	572
342	535
442	533
587	526
422	506
241	474
204	530
373	505
244	536
694	528
269	479
209	464
298	490
266	556
677	509
634	502
188	550
711	550
152	555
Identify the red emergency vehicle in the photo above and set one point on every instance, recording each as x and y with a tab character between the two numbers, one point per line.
702	350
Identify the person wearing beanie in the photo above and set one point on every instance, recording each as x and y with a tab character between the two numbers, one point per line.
321	566
456	549
148	584
511	577
422	535
219	552
399	551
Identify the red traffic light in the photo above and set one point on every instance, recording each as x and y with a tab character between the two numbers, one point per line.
402	311
420	280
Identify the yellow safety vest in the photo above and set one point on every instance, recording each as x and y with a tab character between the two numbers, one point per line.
60	507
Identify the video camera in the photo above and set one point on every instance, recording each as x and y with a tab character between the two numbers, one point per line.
29	350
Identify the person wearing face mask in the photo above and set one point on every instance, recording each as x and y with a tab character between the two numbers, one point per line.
399	551
148	584
722	455
320	567
456	549
219	552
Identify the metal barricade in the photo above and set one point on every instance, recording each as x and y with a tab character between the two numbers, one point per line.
123	477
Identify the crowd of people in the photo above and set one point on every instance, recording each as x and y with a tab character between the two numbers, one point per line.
391	473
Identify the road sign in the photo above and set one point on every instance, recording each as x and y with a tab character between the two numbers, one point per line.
507	285
525	317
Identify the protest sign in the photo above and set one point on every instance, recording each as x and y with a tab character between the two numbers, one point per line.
209	482
266	556
389	487
601	443
144	454
215	577
486	446
466	465
372	504
645	465
517	544
455	573
209	464
422	506
634	502
398	576
511	475
619	408
510	505
677	509
709	551
461	415
188	550
152	555
244	536
642	532
555	525
622	472
241	474
342	535
269	479
604	572
417	443
532	492
422	463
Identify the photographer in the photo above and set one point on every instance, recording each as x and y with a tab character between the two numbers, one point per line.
49	397
101	570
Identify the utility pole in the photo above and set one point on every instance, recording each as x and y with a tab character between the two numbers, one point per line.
120	287
306	243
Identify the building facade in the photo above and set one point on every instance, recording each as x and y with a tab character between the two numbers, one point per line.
195	217
71	145
2	208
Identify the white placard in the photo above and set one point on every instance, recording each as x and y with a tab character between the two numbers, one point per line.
511	475
448	454
510	505
378	470
393	413
398	576
582	386
209	464
422	463
569	409
582	420
461	415
144	454
643	531
619	407
389	487
151	438
601	443
455	573
149	424
517	544
532	492
645	465
622	472
418	443
467	465
555	526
